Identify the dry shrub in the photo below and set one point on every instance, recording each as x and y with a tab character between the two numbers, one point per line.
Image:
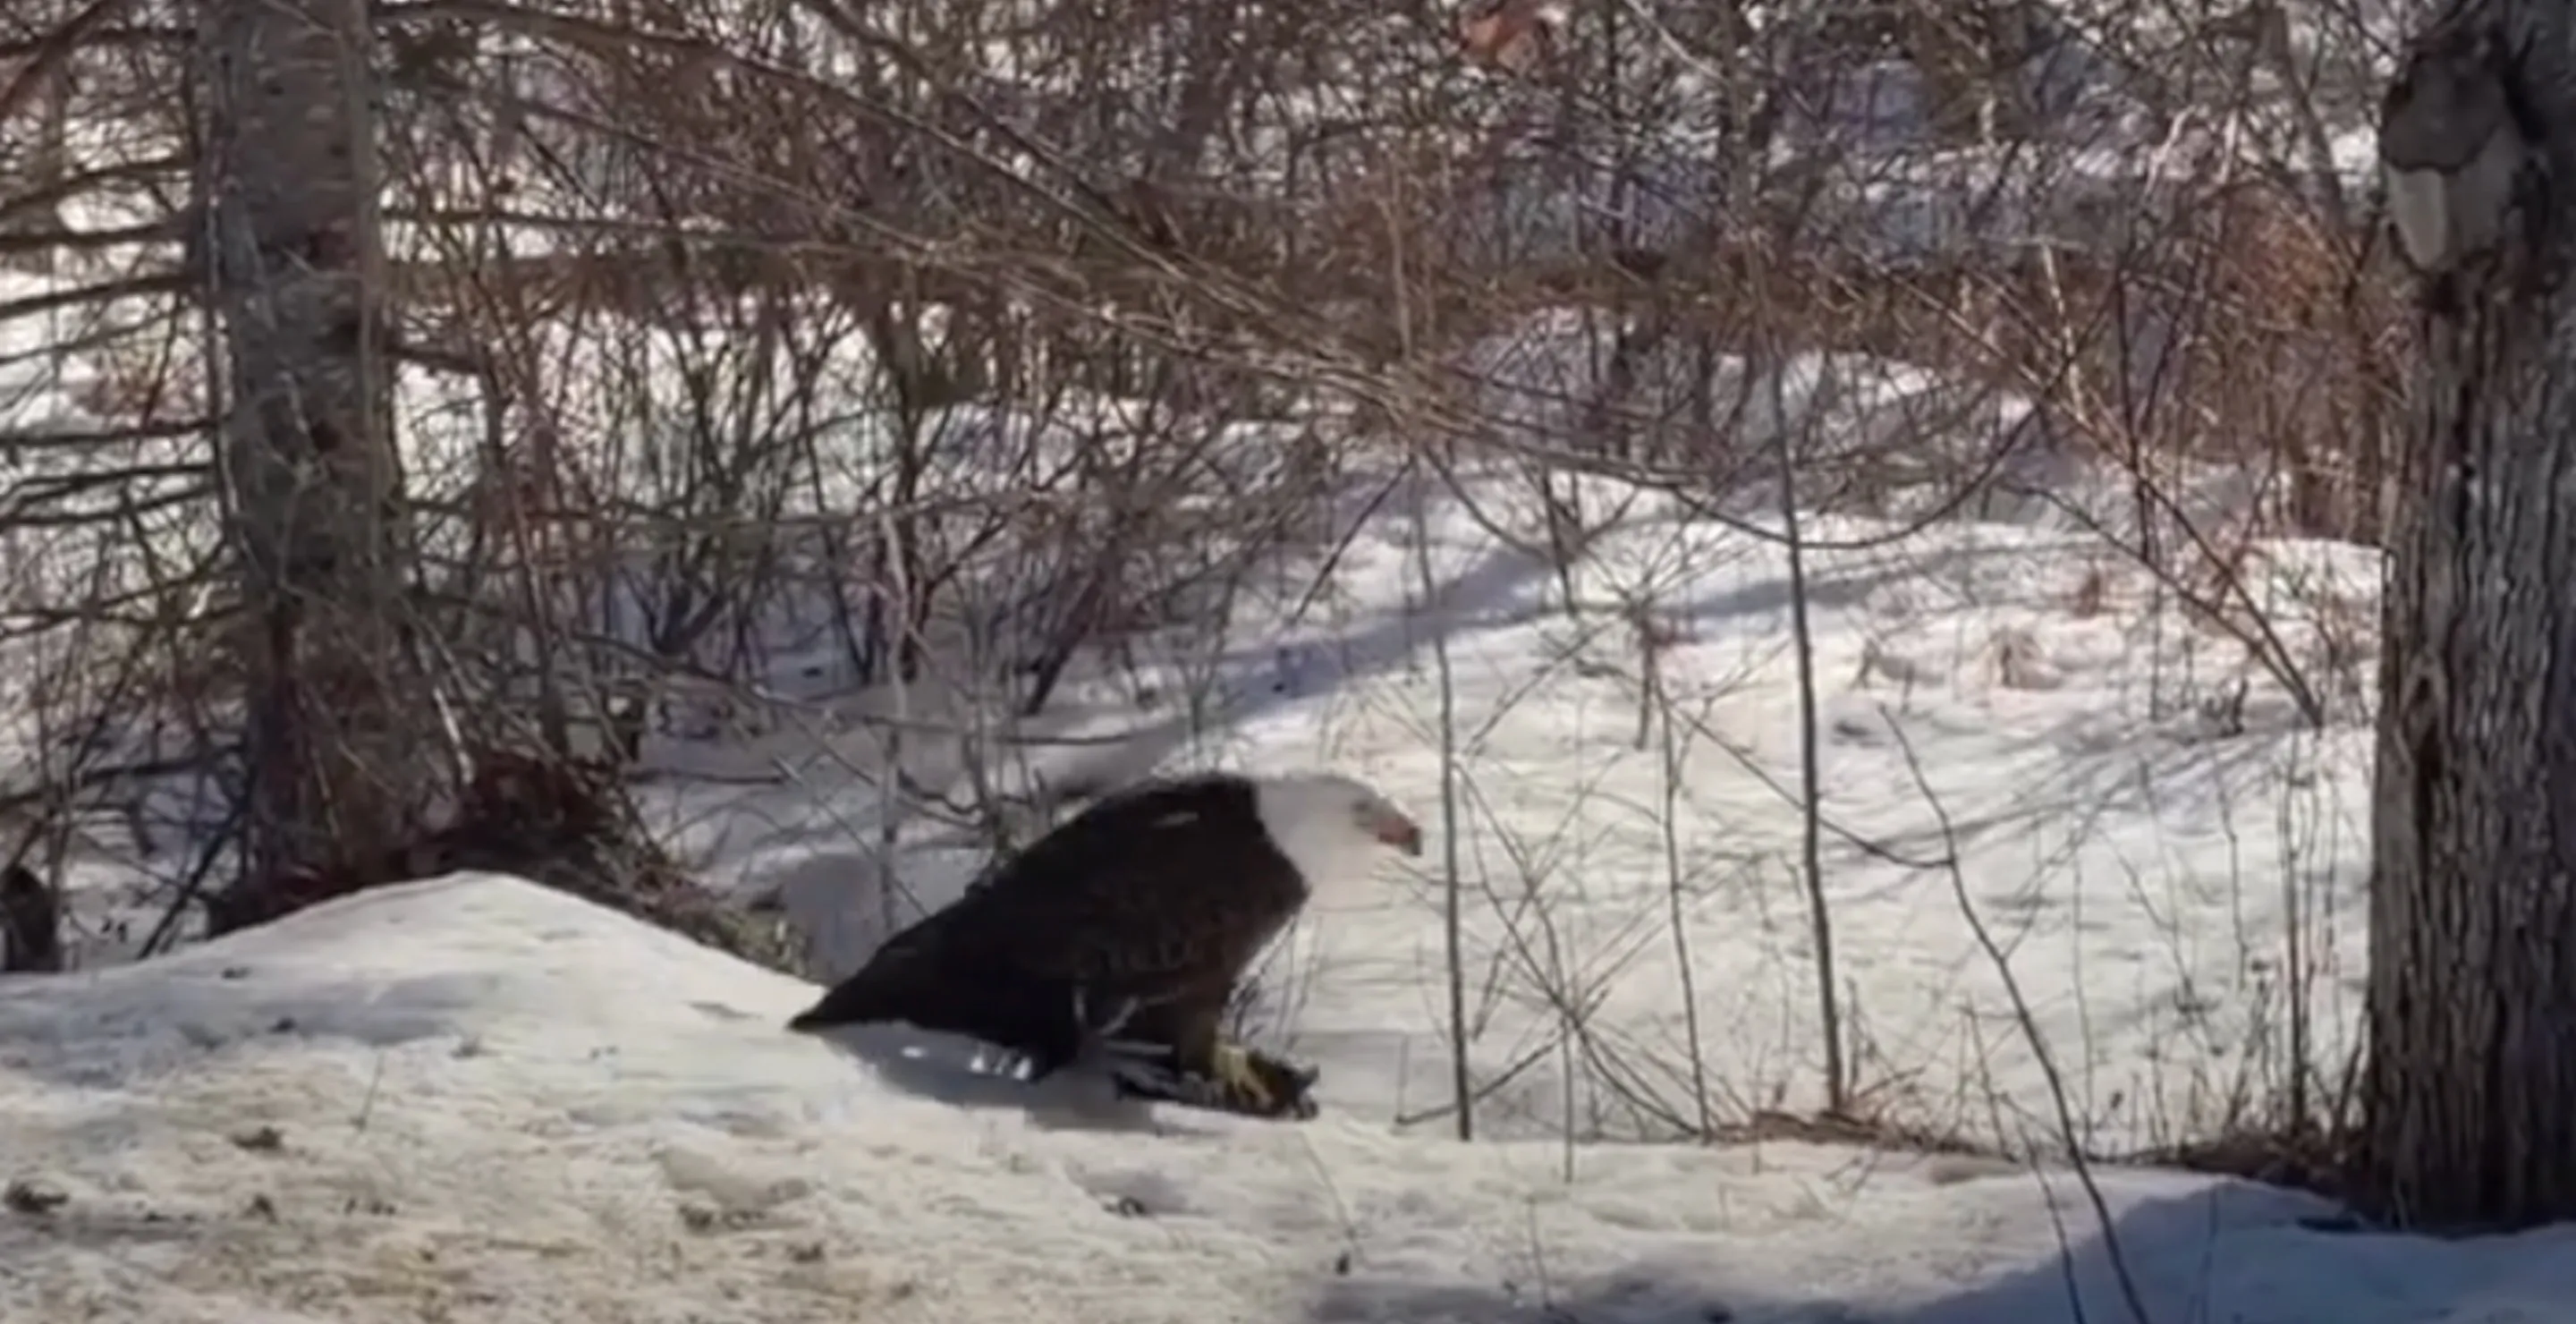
2308	1158
2254	331
1516	36
1863	1130
567	823
2091	594
2020	662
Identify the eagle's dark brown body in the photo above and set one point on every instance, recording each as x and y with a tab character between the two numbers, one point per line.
1149	903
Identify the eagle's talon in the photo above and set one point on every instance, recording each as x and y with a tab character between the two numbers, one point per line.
1239	1076
1236	1080
1267	1086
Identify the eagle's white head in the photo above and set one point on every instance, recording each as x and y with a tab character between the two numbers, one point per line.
1328	825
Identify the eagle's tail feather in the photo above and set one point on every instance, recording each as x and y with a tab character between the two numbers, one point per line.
888	988
852	1002
919	980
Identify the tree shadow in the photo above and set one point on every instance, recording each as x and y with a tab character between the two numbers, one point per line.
962	1074
2231	1251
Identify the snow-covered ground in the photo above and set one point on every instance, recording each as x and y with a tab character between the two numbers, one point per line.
474	1099
2168	858
2141	822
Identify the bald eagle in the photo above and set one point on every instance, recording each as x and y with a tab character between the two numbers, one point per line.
1135	918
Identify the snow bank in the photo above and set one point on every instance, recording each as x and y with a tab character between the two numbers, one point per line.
475	1099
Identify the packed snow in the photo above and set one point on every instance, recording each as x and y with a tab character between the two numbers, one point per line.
472	1098
2167	855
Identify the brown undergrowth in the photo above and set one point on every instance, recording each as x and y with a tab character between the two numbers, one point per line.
2312	1159
566	823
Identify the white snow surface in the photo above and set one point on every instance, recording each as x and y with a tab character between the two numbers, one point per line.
2160	848
471	1098
2164	852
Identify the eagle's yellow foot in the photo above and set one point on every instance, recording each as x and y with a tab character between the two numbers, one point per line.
1234	1069
1229	1078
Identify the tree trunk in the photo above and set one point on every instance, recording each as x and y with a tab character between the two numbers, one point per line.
2470	1094
31	924
338	724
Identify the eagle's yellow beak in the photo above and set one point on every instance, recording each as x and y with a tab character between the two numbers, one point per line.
1396	830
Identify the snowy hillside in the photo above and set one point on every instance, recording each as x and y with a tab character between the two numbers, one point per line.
474	1099
2167	856
2165	849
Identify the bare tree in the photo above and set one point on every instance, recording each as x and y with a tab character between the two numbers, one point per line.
2470	1095
310	477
